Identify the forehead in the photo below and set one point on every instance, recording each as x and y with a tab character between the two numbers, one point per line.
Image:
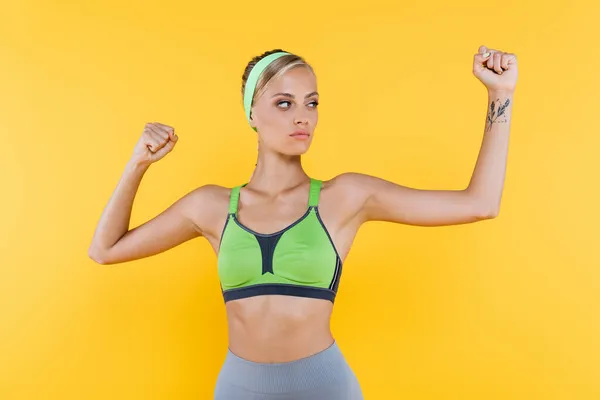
299	79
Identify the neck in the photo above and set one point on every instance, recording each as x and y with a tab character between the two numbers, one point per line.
275	173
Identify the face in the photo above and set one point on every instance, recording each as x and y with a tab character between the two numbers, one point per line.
287	106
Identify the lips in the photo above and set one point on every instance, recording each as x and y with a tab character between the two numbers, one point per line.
300	134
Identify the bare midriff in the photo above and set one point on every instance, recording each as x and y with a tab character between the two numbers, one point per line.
276	328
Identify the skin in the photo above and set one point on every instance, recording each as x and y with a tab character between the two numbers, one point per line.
275	328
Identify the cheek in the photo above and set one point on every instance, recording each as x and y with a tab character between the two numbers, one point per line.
272	136
280	118
272	118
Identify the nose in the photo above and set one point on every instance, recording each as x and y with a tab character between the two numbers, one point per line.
301	119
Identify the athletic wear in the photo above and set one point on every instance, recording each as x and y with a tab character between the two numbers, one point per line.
299	260
324	376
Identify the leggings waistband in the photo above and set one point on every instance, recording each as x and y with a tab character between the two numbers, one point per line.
318	370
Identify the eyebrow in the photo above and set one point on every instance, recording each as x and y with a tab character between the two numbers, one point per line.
293	97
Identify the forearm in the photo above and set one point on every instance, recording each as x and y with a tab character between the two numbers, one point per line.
115	219
487	181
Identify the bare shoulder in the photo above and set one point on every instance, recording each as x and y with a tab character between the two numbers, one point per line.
357	194
349	184
344	196
211	194
207	206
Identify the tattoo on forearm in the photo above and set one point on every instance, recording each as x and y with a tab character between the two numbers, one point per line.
492	116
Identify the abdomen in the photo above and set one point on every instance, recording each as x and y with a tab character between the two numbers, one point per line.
277	328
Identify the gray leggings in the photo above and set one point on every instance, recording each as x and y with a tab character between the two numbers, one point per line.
324	375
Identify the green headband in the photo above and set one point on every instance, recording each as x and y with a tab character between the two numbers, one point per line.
253	79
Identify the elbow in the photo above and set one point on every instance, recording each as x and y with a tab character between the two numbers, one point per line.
488	212
97	255
492	214
484	208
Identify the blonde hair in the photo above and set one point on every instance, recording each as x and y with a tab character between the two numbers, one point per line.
273	71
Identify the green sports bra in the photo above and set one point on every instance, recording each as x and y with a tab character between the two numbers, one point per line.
299	260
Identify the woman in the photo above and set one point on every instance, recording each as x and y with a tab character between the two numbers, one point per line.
281	239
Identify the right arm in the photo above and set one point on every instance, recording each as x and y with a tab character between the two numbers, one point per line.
113	242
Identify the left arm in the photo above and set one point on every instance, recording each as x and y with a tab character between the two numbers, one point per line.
387	201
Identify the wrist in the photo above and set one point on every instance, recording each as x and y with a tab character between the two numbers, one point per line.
140	166
500	93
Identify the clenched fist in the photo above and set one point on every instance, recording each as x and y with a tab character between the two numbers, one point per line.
156	141
496	69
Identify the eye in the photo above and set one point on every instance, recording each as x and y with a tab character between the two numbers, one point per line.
316	103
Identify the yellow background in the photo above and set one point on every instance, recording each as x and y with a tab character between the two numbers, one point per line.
502	309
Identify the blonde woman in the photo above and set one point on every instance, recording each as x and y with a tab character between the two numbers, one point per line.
282	237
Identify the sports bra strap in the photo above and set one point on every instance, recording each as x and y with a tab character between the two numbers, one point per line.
234	198
315	189
313	197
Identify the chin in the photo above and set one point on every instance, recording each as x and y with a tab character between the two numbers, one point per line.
301	147
297	149
298	152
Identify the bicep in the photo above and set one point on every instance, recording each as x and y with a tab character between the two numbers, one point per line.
388	201
173	226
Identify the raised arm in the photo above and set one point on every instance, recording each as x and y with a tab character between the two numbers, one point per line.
387	201
114	242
